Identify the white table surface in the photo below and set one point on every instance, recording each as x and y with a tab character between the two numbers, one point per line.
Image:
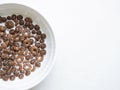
87	36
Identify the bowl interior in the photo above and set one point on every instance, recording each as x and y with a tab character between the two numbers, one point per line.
46	65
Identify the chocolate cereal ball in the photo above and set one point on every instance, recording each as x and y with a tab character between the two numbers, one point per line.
4	19
9	24
36	27
19	17
2	28
28	19
9	17
21	22
13	17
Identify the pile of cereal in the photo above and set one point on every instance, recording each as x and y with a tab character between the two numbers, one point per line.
22	47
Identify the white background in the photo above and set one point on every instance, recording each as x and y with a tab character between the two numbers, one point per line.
87	36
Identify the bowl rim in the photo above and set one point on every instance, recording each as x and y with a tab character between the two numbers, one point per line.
54	43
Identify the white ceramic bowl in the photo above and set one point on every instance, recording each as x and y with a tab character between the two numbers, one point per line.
40	73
